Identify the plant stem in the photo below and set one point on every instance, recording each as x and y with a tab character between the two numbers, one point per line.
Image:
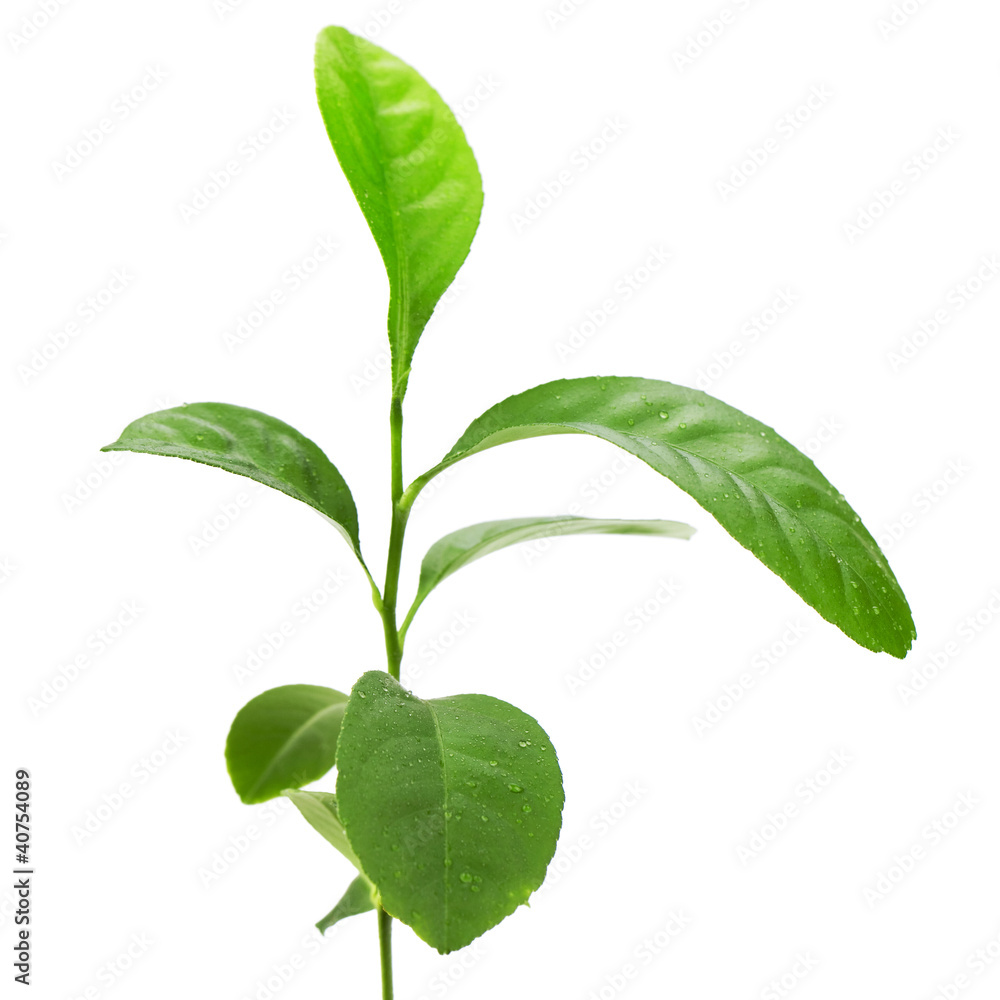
400	514
385	950
393	641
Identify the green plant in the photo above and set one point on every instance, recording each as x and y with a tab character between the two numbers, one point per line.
450	809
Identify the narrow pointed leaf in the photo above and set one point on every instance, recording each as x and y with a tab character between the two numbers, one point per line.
412	173
319	809
458	549
359	898
768	495
284	738
452	805
252	444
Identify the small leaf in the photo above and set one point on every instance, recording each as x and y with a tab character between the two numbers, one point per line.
452	805
251	444
458	549
768	495
284	738
320	811
359	898
412	173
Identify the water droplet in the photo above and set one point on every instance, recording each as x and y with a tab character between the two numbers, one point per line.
477	878
682	426
515	788
485	818
631	422
493	763
447	862
522	743
664	414
526	808
876	610
474	888
471	784
465	877
361	694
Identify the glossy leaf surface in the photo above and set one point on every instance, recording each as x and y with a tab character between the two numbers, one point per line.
457	549
251	444
284	738
453	806
768	495
411	171
359	898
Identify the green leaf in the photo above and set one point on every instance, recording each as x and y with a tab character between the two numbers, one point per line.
412	173
458	549
359	898
320	811
452	805
284	738
251	444
768	495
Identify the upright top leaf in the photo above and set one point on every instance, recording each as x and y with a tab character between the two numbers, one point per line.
411	170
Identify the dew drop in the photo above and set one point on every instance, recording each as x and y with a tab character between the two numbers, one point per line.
465	877
361	694
471	784
447	862
682	426
526	808
631	422
522	743
515	788
493	763
664	414
474	888
485	818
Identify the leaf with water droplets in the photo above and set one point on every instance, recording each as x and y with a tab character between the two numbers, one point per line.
709	449
475	871
252	444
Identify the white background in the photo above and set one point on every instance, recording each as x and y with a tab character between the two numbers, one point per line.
911	444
